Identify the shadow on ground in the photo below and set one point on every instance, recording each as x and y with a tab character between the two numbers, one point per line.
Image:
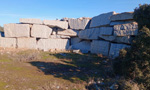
75	67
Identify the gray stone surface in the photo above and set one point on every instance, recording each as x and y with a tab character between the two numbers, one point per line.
30	21
53	44
40	31
79	23
75	40
67	32
122	16
115	49
83	46
8	42
59	37
100	47
120	22
56	23
125	32
101	20
27	43
89	33
107	38
17	30
106	30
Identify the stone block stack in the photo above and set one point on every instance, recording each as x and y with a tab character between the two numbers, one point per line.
104	34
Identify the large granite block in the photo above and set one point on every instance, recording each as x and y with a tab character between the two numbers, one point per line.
79	23
27	43
106	30
53	44
75	40
59	37
40	31
30	21
122	16
120	22
100	47
8	42
68	32
115	49
56	23
17	30
101	20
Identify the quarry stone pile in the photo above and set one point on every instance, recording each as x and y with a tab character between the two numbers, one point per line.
104	34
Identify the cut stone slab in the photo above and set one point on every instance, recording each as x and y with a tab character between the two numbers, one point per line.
59	37
122	16
83	46
17	30
75	40
120	22
101	20
8	42
27	43
127	26
68	32
100	47
125	32
53	44
56	23
107	38
89	34
106	30
30	21
79	23
40	31
115	49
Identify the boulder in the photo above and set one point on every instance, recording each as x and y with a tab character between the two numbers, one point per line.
17	30
40	31
122	16
83	46
75	40
101	20
27	43
8	42
79	23
89	34
30	21
53	44
126	29
112	23
100	47
68	32
115	49
56	23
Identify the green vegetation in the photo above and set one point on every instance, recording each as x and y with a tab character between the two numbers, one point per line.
134	63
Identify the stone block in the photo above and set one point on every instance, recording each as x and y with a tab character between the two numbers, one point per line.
30	21
115	49
53	44
59	37
106	30
79	23
100	47
122	16
17	30
75	40
56	23
68	32
40	31
8	42
120	22
27	43
101	20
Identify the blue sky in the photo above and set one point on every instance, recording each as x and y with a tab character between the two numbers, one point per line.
12	10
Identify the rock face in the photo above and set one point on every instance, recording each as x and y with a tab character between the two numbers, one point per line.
106	30
27	43
56	23
82	46
120	22
68	32
30	21
53	44
78	24
59	37
126	29
115	48
122	16
40	31
8	42
100	47
75	40
17	30
101	20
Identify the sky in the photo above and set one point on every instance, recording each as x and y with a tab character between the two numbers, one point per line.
12	10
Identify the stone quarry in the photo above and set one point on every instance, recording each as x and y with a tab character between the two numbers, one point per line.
104	34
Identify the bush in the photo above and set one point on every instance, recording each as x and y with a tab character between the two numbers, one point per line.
134	63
